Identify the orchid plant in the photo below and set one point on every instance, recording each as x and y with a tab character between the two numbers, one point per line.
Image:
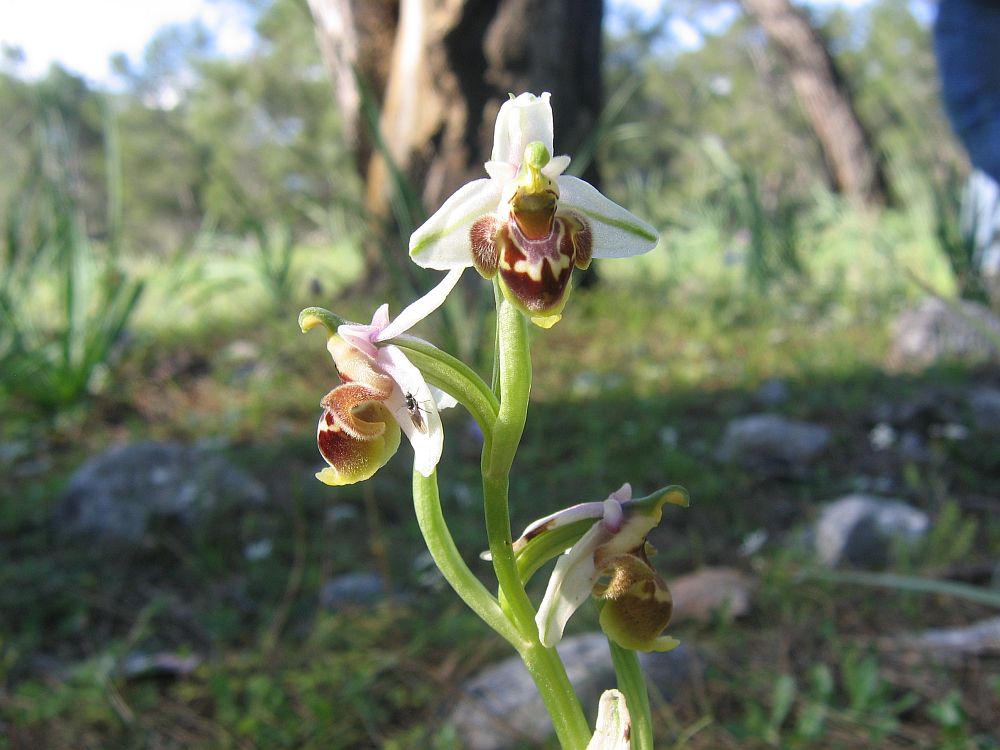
527	227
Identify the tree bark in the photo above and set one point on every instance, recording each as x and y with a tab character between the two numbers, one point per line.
854	166
453	64
355	39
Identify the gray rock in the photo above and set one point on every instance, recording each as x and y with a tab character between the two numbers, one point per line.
138	665
669	674
116	494
935	331
860	530
711	592
361	589
772	392
500	709
772	444
912	447
984	404
14	450
952	644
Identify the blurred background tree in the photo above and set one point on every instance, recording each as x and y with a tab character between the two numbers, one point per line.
439	84
855	168
243	147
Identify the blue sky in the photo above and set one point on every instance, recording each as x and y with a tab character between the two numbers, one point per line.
83	34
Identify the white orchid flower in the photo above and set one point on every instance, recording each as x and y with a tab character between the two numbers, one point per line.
382	392
528	222
610	560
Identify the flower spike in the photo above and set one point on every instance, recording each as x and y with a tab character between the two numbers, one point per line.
528	223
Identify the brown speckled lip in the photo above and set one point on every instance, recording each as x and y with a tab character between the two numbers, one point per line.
556	255
345	408
337	448
345	453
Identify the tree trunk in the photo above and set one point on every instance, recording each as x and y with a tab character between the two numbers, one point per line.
453	64
355	40
854	166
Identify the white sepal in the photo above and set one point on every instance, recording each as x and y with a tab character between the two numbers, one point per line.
616	232
443	241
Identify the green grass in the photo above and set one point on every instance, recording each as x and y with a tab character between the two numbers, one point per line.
635	384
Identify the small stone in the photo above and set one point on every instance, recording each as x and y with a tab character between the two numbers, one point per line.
242	350
140	665
116	494
669	673
351	590
586	384
427	573
669	437
984	404
772	444
340	514
950	431
14	450
753	542
860	530
936	331
771	393
711	592
500	709
882	436
258	550
952	644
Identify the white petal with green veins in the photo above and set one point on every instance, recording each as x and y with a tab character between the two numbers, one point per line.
442	242
617	232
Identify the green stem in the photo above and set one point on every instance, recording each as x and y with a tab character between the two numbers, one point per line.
497	299
515	387
549	674
427	503
543	664
633	686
